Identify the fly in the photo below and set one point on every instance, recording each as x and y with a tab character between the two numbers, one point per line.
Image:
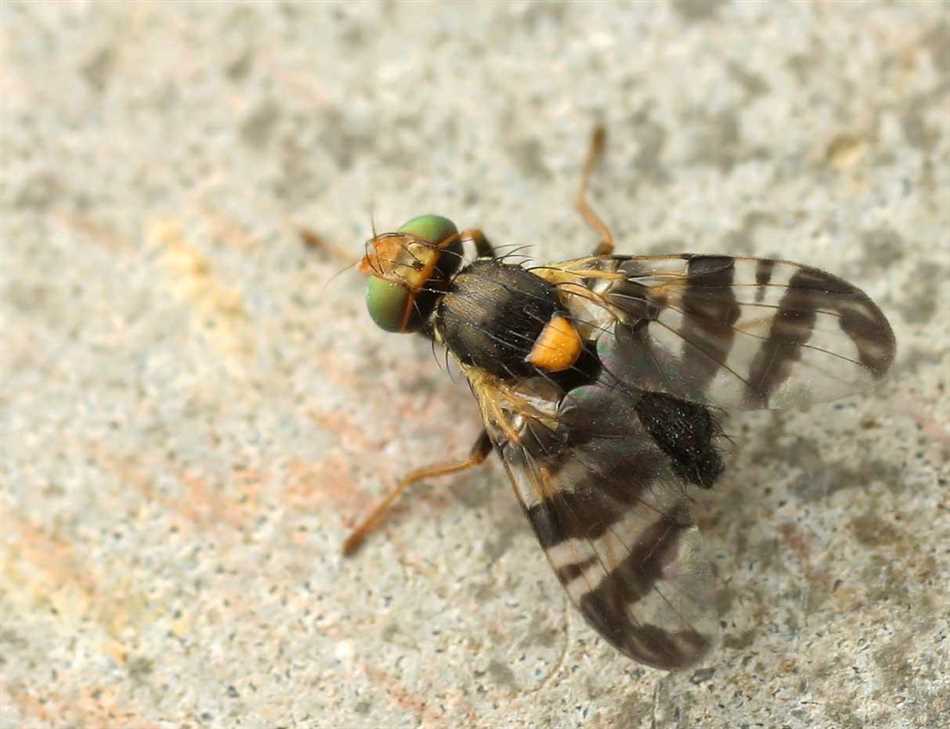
598	380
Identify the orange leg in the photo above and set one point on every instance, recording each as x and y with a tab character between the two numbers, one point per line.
483	248
314	240
478	454
598	143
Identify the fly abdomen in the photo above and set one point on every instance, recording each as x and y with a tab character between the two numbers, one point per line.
494	314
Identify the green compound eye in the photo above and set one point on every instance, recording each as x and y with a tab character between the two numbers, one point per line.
387	303
414	265
432	228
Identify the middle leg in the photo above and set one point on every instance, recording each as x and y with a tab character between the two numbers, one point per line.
479	452
595	152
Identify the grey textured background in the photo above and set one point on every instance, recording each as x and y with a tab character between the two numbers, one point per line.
193	409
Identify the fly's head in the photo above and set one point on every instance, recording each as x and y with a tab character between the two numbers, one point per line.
409	270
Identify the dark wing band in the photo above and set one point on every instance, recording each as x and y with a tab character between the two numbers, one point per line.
613	517
728	332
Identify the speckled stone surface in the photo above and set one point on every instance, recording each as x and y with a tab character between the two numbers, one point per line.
194	407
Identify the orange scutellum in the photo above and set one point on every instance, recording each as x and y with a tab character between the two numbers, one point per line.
558	346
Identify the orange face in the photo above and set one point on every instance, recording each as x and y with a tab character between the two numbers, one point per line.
408	269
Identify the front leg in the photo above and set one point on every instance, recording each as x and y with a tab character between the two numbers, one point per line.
483	248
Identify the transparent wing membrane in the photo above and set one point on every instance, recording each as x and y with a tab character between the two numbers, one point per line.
613	518
729	332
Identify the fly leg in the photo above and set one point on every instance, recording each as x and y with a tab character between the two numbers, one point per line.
479	453
595	152
313	240
483	248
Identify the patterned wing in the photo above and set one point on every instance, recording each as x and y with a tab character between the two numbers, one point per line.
610	509
728	332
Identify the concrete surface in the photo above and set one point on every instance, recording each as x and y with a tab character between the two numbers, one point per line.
194	408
